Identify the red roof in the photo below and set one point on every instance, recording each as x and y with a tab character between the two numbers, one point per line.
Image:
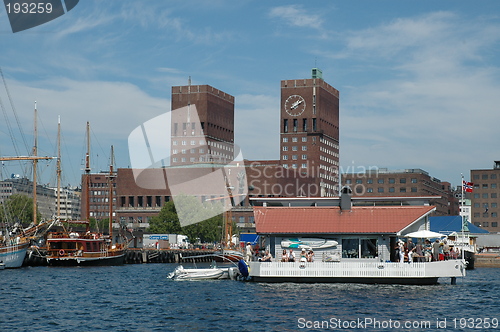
310	220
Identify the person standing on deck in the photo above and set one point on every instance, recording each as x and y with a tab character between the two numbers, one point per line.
249	252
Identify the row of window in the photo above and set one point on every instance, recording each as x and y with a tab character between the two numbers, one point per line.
221	146
295	124
381	180
361	189
486	224
485	186
295	148
221	158
484	176
485	215
294	166
485	195
329	143
486	205
294	139
295	157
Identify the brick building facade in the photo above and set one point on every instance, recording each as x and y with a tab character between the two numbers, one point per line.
485	198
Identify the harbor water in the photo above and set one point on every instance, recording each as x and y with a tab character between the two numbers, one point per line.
139	297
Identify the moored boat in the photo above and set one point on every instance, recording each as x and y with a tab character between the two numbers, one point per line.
213	272
370	244
12	254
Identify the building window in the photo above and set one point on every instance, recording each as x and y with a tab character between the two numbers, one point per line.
369	190
475	176
285	139
485	195
285	125
174	142
314	124
369	181
493	195
485	186
304	156
380	180
402	190
295	121
494	224
285	148
494	215
413	180
285	157
493	186
304	139
392	180
477	214
413	189
493	205
304	124
391	189
294	165
348	181
294	157
493	176
294	139
476	205
402	180
183	142
285	165
294	148
476	195
304	165
484	177
380	189
359	181
304	148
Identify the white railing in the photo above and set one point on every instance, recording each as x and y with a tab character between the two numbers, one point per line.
359	269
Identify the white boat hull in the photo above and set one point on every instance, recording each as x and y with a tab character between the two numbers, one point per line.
367	271
180	273
13	256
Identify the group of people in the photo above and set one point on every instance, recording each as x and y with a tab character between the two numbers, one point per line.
425	252
307	256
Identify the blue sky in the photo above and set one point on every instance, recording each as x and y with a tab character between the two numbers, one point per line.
419	81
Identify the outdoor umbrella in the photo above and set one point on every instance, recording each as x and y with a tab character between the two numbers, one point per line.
424	234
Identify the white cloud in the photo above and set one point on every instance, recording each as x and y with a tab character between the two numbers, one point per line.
296	15
434	106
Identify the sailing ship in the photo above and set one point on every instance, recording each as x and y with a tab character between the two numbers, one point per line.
14	243
71	248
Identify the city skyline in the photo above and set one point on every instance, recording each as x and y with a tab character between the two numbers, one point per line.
417	82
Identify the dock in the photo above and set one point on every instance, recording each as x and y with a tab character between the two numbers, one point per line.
36	256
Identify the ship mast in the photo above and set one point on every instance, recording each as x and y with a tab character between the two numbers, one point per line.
58	216
111	181
35	163
87	179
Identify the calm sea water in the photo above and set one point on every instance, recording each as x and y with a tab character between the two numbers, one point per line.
141	298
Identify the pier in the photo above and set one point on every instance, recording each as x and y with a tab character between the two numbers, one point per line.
36	256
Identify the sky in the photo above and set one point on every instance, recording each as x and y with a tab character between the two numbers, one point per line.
419	81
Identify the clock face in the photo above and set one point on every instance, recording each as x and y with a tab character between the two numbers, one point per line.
295	105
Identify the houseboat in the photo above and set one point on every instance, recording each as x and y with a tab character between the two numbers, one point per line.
366	238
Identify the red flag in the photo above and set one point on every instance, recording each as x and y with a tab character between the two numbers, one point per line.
468	186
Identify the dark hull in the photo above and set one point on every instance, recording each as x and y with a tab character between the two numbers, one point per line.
470	258
390	281
102	261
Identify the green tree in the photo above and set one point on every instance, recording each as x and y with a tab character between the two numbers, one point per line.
18	209
166	222
99	225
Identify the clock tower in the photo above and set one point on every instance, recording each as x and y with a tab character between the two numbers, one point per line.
309	133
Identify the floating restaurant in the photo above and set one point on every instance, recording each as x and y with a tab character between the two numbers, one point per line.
354	239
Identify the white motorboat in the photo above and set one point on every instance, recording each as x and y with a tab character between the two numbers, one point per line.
180	273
